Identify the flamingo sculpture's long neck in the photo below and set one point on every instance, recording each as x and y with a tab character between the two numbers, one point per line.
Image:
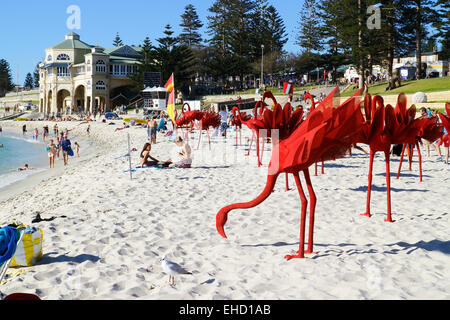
222	216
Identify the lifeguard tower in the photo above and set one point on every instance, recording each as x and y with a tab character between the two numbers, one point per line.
155	100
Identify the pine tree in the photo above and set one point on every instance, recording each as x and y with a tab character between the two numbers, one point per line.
28	84
169	40
219	25
6	83
309	33
330	13
191	24
422	15
117	41
268	29
36	76
147	64
173	58
443	27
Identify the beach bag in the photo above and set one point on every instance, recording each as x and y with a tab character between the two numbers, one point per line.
29	250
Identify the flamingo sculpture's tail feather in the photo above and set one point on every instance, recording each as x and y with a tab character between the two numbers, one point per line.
222	216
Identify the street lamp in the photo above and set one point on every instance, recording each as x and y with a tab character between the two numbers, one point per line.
261	83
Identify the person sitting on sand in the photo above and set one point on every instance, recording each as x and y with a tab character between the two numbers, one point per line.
183	158
146	159
124	126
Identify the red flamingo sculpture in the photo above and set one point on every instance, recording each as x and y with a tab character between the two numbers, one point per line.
209	119
325	134
383	127
187	118
251	124
446	123
237	123
431	131
446	118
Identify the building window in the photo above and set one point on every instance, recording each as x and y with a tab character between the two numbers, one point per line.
63	72
49	58
100	85
100	66
63	57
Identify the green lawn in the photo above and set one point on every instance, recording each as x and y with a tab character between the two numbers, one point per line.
408	87
274	90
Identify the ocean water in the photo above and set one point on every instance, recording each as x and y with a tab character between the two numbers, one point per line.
17	151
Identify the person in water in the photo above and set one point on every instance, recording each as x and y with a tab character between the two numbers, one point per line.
25	168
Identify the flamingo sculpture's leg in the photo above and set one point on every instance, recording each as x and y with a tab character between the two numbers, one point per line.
323	167
369	187
236	136
420	161
401	161
209	139
315	166
257	150
199	138
251	143
301	251
287	182
240	136
312	209
262	150
388	184
410	155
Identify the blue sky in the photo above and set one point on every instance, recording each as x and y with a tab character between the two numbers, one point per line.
28	27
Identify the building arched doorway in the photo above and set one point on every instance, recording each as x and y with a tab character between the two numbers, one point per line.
63	100
79	99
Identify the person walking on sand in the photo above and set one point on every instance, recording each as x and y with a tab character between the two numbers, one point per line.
77	149
88	130
51	150
45	133
55	130
152	127
224	122
66	147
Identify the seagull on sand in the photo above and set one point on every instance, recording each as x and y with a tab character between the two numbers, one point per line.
172	269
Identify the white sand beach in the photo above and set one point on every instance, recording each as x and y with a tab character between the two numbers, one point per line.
116	229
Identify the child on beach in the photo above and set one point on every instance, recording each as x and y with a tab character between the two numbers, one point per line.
77	149
146	158
51	150
36	134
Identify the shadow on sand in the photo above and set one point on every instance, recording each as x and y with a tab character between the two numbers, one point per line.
384	189
48	259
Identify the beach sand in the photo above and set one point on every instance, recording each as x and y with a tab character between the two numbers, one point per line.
116	229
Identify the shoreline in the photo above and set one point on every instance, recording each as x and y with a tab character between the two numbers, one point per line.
33	180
